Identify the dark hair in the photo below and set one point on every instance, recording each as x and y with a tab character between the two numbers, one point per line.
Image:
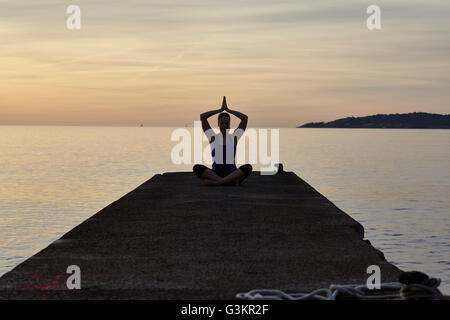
224	114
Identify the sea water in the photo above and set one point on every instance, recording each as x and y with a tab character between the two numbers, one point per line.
396	183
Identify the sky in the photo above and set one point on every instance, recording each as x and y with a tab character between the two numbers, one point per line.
163	62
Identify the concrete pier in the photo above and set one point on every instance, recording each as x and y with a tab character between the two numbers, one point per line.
171	238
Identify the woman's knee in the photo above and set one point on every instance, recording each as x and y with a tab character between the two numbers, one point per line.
246	169
198	170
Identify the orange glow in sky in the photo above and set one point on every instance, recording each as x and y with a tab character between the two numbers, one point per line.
283	63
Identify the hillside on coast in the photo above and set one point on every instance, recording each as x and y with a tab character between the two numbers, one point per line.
415	120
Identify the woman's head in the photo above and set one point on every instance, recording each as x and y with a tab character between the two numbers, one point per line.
224	121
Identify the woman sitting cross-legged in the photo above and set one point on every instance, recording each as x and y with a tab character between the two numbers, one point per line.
223	150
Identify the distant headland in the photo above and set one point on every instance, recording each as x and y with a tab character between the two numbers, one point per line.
415	120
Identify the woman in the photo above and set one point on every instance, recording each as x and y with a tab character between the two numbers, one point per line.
223	150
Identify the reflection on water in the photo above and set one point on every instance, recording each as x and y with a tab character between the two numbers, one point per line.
396	183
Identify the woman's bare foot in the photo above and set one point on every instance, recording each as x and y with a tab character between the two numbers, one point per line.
210	178
232	179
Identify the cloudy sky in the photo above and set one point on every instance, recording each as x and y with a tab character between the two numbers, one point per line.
162	62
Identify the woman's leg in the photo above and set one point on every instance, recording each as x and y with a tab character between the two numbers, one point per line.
237	176
210	178
231	179
208	174
205	173
247	170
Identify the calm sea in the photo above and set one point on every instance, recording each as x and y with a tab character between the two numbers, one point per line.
396	183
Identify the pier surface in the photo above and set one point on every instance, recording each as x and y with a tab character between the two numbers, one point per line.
171	238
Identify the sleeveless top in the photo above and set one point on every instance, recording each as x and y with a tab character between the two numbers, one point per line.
223	155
